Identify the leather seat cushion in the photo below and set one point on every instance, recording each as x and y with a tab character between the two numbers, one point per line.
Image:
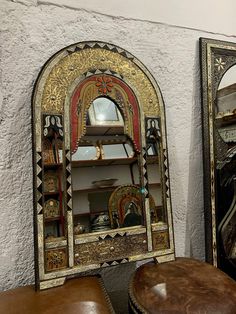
182	286
84	295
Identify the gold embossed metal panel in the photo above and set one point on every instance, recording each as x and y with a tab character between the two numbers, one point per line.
101	178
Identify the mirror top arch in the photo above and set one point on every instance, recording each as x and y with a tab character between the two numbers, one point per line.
97	86
76	62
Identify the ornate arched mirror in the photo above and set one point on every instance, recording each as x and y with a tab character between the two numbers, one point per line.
100	158
219	127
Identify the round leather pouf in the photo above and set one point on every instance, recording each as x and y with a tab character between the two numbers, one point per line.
182	286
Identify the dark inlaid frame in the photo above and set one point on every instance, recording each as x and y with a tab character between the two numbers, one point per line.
216	58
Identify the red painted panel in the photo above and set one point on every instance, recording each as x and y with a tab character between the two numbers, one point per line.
75	118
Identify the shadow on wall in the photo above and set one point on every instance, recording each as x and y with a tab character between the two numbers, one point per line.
177	174
195	245
16	216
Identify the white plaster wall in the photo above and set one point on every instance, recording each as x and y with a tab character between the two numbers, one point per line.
30	34
201	14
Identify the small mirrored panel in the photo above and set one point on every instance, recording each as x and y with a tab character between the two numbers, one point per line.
87	152
119	150
153	143
103	111
157	210
219	108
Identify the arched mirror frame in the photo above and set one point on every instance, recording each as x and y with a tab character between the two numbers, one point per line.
53	92
217	57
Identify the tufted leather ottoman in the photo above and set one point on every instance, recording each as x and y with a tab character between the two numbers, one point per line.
85	295
182	286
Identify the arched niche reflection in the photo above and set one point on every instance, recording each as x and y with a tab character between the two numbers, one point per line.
104	161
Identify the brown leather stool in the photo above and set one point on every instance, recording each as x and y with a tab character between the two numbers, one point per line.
85	295
182	286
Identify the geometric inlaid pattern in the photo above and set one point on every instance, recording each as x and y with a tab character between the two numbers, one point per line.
110	250
39	182
166	173
145	174
113	263
112	236
102	71
88	45
68	180
39	209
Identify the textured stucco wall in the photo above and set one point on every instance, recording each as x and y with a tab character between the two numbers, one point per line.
30	34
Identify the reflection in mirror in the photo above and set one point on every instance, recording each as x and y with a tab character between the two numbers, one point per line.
226	168
86	152
100	180
106	183
226	107
52	154
153	136
156	208
122	150
126	207
103	111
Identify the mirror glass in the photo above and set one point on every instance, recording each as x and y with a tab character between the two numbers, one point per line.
106	185
226	171
104	195
226	107
87	152
153	142
104	112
